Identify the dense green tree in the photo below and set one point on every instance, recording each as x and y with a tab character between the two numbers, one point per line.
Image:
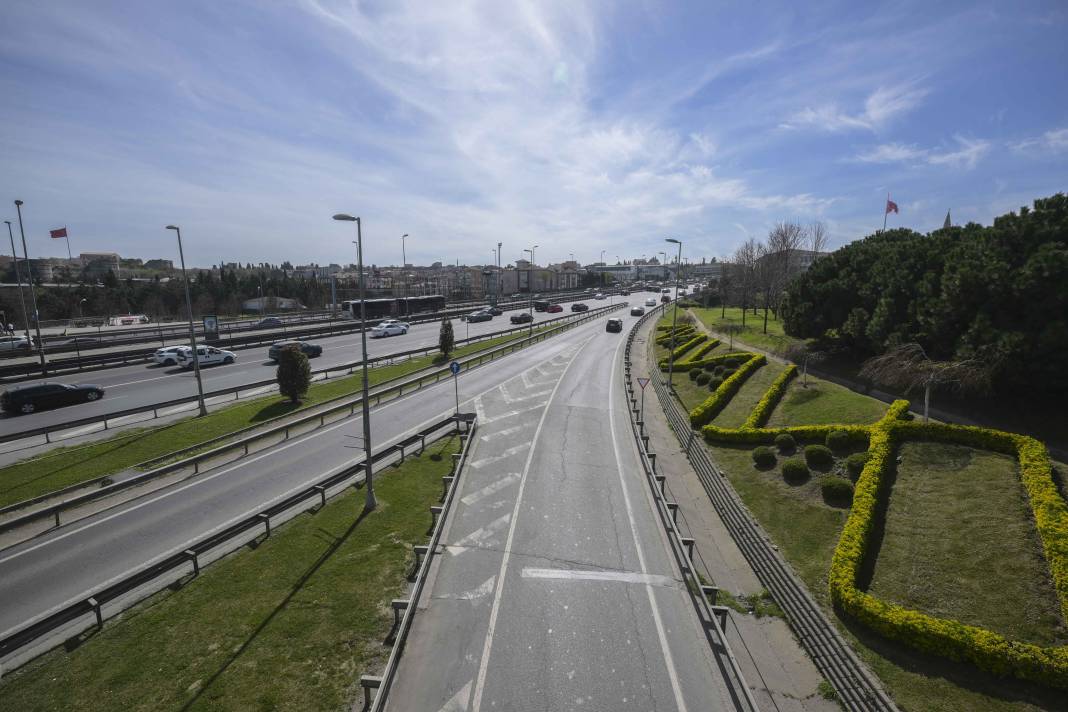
445	338
293	374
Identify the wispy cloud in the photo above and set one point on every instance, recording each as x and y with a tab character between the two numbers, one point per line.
1055	141
880	107
966	154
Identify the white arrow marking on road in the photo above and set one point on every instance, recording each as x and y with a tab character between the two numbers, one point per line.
483	534
458	703
511	413
497	458
490	489
485	587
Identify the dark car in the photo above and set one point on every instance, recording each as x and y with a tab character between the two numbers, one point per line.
41	396
614	325
624	292
637	311
481	315
495	311
308	349
579	307
665	298
521	318
541	305
270	322
554	309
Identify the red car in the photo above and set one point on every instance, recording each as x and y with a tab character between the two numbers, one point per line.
554	308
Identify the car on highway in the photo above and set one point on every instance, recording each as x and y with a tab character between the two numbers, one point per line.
270	322
665	298
42	396
650	302
476	316
521	318
206	356
14	343
637	311
599	297
541	305
614	325
495	311
389	327
624	292
168	355
579	307
554	309
306	347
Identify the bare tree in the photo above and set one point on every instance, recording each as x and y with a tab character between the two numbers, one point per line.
776	263
745	258
726	281
803	354
907	366
817	236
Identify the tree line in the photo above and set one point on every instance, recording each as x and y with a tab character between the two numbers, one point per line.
995	295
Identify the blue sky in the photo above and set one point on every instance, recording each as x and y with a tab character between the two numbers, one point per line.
578	127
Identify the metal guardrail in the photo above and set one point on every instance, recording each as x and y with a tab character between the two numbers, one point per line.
857	688
341	369
682	547
243	446
91	610
385	681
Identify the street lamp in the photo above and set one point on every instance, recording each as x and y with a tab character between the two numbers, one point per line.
675	312
369	501
404	266
192	334
18	278
33	294
530	288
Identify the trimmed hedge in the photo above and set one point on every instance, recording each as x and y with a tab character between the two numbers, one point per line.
767	403
837	440
785	442
763	456
700	352
837	490
708	410
795	470
818	455
854	464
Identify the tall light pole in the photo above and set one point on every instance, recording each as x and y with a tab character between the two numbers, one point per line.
500	287
33	293
192	334
18	278
675	311
404	266
530	288
369	502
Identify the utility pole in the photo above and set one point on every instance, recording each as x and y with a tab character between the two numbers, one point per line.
33	294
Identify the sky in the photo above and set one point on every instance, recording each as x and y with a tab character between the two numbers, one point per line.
574	126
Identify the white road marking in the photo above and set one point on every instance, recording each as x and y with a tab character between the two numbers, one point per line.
480	411
483	664
480	591
483	534
458	703
490	489
582	575
514	450
501	433
511	413
525	397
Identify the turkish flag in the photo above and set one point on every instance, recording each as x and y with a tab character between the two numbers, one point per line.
56	234
891	206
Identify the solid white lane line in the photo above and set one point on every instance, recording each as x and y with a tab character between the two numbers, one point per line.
483	663
582	575
669	662
490	489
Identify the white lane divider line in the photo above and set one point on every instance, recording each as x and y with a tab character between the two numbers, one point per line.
490	489
482	535
459	701
500	433
515	449
582	575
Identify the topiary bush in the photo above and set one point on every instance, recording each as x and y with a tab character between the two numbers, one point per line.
855	463
838	440
763	456
818	455
837	491
785	442
712	367
702	378
693	374
719	369
795	471
714	383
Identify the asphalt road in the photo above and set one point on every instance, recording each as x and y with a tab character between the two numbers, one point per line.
69	562
137	385
556	589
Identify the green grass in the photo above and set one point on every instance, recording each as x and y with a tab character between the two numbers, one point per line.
752	333
822	403
290	624
67	466
957	519
745	400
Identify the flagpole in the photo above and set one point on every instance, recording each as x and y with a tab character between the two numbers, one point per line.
66	236
886	210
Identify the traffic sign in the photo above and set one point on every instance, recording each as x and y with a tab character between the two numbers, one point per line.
455	367
643	382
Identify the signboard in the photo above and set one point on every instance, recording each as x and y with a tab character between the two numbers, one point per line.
643	382
454	367
211	327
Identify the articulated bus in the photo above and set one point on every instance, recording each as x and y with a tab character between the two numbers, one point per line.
393	307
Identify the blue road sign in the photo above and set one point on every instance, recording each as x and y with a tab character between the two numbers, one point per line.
454	367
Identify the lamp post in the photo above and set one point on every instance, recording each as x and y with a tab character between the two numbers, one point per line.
404	266
33	294
192	334
500	287
369	502
18	278
675	311
530	289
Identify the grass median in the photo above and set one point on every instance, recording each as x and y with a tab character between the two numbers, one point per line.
67	466
291	624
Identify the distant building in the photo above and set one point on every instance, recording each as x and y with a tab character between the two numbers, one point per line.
160	264
97	264
264	304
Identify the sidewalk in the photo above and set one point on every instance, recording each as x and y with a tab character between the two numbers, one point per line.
777	669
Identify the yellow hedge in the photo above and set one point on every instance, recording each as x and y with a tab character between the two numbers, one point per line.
707	410
767	403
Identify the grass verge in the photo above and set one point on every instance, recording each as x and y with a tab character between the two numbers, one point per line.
752	333
67	466
290	624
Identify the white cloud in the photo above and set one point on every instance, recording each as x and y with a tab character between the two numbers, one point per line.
967	154
891	153
1054	141
881	106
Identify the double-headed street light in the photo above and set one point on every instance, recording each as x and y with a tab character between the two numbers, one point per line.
369	502
675	312
18	278
192	334
530	288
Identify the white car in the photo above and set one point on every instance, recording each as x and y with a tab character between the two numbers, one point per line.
14	343
168	355
600	297
206	356
389	327
650	302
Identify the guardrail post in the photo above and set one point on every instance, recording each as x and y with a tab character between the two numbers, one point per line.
652	461
422	444
420	551
446	483
673	507
688	542
195	559
645	442
455	463
368	683
435	512
266	519
322	492
57	517
96	609
660	480
401	448
721	613
710	592
398	604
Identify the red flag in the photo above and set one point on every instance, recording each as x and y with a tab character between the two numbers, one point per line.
59	233
891	206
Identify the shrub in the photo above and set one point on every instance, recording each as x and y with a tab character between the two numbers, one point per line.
838	440
816	455
293	374
763	456
693	375
731	361
718	369
771	398
714	383
785	442
711	367
855	464
707	410
702	378
837	490
795	470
